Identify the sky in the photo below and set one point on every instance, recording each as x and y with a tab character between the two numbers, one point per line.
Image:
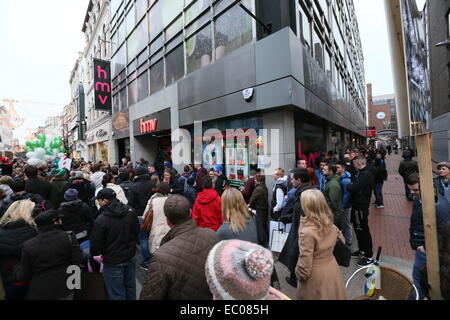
41	40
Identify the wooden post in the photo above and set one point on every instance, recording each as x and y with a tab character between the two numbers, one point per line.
429	214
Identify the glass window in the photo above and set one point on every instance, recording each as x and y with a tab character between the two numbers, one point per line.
171	9
114	41
132	92
121	32
142	83
155	20
175	65
115	103
233	29
114	6
141	8
305	33
137	40
157	76
130	20
198	23
328	60
157	44
123	98
193	11
118	61
222	4
318	48
199	50
174	28
142	57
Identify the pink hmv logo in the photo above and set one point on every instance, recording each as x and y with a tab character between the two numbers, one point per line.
102	86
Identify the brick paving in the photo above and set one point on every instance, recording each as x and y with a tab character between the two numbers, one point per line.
390	226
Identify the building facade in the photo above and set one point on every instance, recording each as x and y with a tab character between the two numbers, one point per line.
382	112
6	132
439	31
177	63
97	46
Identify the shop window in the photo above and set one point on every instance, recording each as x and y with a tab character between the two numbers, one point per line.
142	83
157	76
233	29
130	20
318	48
305	33
132	92
137	40
194	11
199	50
175	65
141	8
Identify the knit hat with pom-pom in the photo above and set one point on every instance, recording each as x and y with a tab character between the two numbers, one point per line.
239	270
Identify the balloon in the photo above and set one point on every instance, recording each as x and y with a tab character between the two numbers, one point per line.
55	151
62	149
41	143
30	155
28	149
40	152
29	144
60	155
33	162
42	137
47	157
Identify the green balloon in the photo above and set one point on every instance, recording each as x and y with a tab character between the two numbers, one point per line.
29	149
62	149
41	143
29	144
42	137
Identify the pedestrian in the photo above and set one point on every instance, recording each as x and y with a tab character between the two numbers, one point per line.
417	230
59	181
250	185
389	149
361	190
39	186
442	184
279	192
190	192
125	183
186	174
221	180
114	237
109	182
16	227
240	270
380	177
321	179
260	203
155	208
172	181
333	193
97	175
407	167
317	270
46	258
345	179
141	191
85	188
19	193
302	164
5	193
289	254
200	174
177	270
238	222
76	216
6	166
207	210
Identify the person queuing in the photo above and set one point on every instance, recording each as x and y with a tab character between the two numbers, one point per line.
442	182
109	182
303	164
278	193
207	210
333	193
407	167
346	225
177	270
250	185
86	190
260	203
380	177
190	192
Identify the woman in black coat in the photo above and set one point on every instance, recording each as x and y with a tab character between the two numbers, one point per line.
16	227
46	258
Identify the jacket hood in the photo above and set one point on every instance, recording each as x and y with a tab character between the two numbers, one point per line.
115	209
72	205
282	180
207	196
333	177
346	175
14	224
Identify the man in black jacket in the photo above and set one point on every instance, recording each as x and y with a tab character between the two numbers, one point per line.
407	167
361	190
39	186
289	255
141	191
115	237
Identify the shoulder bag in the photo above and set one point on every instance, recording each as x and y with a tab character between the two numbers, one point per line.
146	225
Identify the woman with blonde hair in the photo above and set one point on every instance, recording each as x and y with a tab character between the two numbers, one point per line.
317	270
238	222
16	227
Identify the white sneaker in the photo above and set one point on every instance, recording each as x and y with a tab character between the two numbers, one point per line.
380	207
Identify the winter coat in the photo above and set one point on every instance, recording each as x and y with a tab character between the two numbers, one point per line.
416	229
117	189
115	233
97	178
345	180
200	176
140	193
279	192
12	237
248	234
45	260
7	168
220	183
177	270
42	187
176	187
59	184
183	178
259	202
207	211
333	194
86	190
78	218
317	270
408	167
442	188
361	188
289	254
159	226
321	179
249	187
381	174
126	187
191	193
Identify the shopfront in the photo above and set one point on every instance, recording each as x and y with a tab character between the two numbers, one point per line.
98	142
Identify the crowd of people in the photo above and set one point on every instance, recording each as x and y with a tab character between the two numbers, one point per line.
188	225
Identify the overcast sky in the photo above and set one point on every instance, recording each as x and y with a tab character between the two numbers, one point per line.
41	40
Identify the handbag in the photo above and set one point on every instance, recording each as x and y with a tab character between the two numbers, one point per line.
146	225
342	254
278	239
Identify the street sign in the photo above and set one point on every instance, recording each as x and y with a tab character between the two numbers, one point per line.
371	132
102	85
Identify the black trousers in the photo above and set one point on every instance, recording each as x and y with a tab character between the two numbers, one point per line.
360	220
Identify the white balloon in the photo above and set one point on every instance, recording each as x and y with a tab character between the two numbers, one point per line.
40	152
60	155
33	162
42	163
47	157
31	155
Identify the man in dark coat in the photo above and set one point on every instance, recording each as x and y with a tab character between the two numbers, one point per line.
190	192
39	186
141	191
259	201
177	270
201	173
407	167
45	260
86	190
221	181
115	237
289	254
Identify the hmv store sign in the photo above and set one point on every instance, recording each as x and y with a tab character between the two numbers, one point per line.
102	85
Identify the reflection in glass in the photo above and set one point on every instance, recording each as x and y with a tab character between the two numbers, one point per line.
318	48
131	20
132	93
233	29
155	20
123	98
137	40
175	65
118	61
199	50
306	30
157	76
195	10
174	28
141	8
142	82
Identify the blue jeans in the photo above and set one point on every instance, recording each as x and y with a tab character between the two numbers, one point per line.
419	263
379	194
143	239
120	280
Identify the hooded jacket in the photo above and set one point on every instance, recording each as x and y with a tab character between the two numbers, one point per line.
279	192
199	177
85	189
140	193
115	233
333	194
207	211
77	217
345	180
361	188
